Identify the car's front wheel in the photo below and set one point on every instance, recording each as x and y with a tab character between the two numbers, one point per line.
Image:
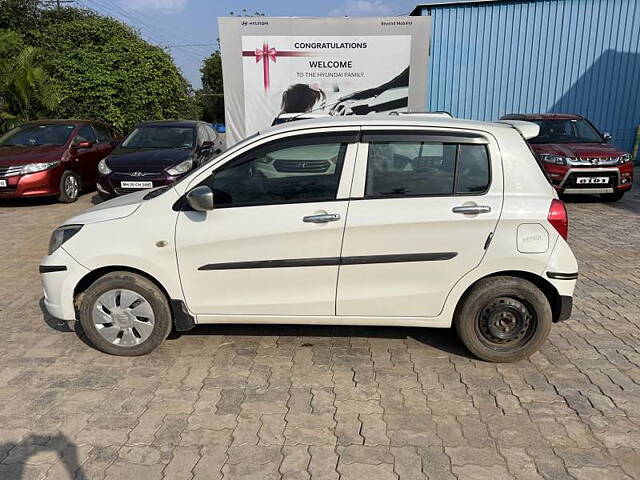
123	313
504	319
69	187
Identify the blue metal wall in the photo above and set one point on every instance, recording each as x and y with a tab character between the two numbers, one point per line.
563	56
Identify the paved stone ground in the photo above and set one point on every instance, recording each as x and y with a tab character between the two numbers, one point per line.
325	403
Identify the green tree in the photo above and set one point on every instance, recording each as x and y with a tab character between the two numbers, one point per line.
106	71
20	15
211	97
26	90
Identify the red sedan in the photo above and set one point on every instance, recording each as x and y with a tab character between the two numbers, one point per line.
577	157
52	158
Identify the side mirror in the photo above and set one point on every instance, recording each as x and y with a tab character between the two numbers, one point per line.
200	198
85	145
207	145
607	136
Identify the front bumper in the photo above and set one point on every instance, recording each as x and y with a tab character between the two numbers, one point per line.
111	185
39	184
60	274
618	179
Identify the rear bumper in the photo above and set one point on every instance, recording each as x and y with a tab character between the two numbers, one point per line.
40	184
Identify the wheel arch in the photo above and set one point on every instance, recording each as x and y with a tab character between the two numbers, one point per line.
182	319
544	285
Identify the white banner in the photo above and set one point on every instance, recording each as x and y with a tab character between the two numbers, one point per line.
338	66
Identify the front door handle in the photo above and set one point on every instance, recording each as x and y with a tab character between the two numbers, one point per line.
471	209
321	218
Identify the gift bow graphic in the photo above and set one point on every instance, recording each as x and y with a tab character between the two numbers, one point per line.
265	55
268	54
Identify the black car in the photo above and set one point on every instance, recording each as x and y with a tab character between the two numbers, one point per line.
155	154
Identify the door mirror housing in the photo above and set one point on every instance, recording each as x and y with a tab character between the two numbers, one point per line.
607	136
200	198
85	144
206	146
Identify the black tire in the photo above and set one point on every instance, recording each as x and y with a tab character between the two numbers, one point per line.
612	197
69	187
504	319
114	281
105	196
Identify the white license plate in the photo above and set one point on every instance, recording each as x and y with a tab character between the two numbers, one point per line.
136	184
3	183
598	180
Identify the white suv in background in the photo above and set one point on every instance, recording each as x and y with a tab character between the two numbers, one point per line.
395	220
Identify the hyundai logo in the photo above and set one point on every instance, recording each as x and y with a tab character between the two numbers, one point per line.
139	174
302	165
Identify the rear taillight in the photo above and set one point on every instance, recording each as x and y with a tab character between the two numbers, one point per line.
558	217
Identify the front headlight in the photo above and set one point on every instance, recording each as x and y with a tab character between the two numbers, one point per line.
555	159
61	235
181	168
37	167
103	168
626	158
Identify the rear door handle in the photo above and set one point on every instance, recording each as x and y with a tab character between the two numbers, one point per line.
321	218
471	209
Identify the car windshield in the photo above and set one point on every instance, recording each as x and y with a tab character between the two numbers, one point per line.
160	190
566	131
159	136
33	135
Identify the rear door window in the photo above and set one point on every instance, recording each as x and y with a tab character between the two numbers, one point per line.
415	166
407	169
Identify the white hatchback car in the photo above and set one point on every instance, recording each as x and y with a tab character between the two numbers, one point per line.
394	221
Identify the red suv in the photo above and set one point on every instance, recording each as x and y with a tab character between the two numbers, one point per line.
52	158
577	157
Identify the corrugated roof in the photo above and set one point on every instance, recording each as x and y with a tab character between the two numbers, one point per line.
417	11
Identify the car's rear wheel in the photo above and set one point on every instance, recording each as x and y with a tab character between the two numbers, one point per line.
613	197
69	187
504	319
123	313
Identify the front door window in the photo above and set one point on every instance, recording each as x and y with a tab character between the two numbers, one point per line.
289	173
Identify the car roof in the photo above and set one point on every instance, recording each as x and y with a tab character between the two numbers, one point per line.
386	120
542	116
172	123
58	121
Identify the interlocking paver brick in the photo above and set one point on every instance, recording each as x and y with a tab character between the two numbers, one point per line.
314	403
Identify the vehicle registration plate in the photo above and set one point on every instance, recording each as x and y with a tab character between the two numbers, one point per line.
598	180
136	184
3	183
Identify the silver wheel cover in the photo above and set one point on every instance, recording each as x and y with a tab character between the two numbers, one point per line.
71	186
123	317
